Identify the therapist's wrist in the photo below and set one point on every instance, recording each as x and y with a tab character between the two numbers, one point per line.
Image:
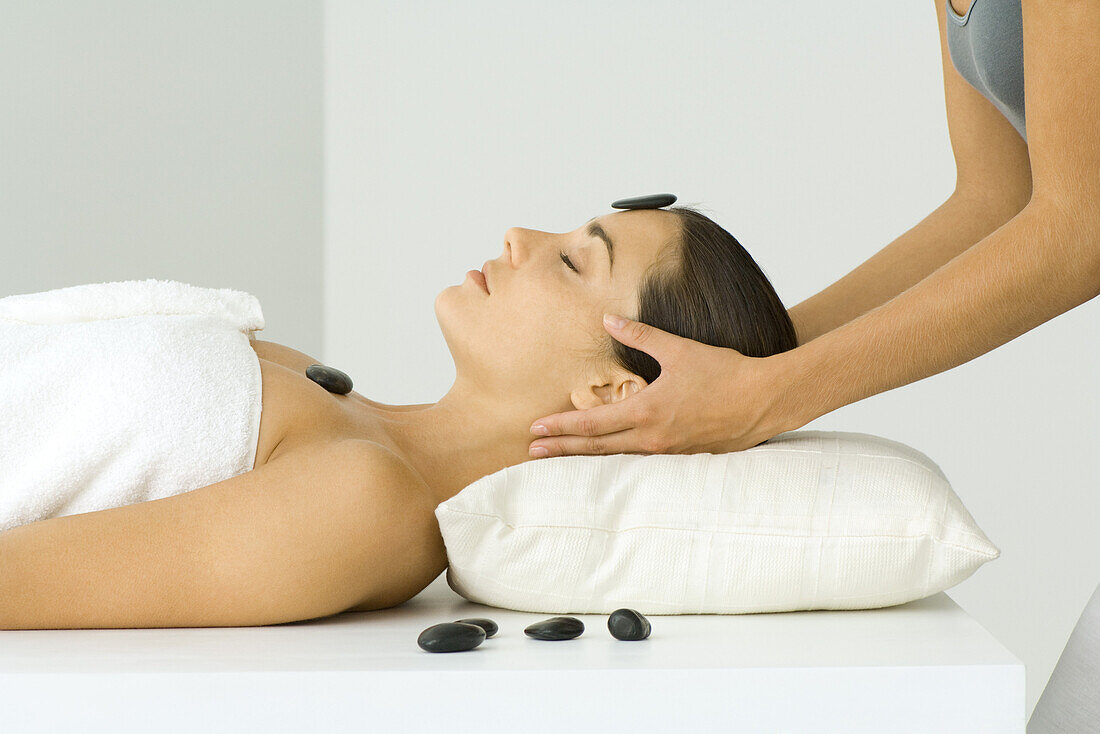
799	394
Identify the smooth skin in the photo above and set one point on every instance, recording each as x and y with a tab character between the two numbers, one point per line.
1016	244
306	535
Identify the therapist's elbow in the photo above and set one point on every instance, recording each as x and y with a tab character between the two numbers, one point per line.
1073	219
993	204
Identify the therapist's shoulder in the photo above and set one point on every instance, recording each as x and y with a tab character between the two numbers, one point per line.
992	165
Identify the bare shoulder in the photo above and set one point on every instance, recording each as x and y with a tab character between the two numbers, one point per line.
282	354
381	470
414	554
314	532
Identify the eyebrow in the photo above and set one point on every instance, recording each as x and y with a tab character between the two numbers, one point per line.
595	230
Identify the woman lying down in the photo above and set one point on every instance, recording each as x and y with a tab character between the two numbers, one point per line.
338	512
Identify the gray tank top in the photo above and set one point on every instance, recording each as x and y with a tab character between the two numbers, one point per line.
987	48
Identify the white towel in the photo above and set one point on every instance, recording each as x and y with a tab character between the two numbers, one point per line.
122	392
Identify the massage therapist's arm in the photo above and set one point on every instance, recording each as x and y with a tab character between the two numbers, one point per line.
955	225
993	182
935	300
1041	263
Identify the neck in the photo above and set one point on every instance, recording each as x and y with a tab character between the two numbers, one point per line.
454	442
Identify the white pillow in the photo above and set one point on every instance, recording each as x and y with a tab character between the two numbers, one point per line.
806	520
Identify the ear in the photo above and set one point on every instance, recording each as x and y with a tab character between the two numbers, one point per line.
608	389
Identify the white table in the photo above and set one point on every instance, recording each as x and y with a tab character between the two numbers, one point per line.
925	666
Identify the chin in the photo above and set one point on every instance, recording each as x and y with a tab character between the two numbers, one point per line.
449	316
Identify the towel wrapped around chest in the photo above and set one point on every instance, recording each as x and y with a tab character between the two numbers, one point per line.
123	392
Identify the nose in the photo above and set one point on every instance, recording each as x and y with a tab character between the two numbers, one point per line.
515	245
521	244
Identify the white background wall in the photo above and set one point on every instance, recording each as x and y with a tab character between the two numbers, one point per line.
815	133
178	140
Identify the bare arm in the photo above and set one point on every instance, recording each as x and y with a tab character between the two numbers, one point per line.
304	536
1041	263
993	182
955	225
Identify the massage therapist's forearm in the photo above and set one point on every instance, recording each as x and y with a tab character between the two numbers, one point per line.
955	225
1041	263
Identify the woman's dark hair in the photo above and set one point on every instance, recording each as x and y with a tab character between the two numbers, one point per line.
708	288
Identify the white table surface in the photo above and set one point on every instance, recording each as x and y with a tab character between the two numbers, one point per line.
925	666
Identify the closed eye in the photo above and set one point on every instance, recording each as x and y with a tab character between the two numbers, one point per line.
565	259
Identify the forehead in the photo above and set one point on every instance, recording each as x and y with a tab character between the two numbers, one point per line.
641	230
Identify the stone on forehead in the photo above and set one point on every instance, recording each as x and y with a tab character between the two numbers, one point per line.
649	201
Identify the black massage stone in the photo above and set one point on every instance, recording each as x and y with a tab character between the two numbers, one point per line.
649	201
627	624
451	637
556	628
488	625
329	378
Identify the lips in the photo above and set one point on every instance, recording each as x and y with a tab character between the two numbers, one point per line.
479	280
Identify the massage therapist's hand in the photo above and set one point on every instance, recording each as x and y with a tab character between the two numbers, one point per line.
706	399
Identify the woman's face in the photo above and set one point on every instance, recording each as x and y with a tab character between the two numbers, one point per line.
533	337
